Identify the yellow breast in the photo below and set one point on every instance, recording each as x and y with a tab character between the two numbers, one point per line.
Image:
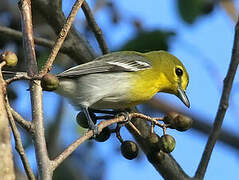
145	84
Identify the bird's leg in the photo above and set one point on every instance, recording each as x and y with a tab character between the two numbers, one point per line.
92	125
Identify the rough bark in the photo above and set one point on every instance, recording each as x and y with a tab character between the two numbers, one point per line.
6	165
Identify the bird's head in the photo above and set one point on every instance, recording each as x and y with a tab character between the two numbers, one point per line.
174	74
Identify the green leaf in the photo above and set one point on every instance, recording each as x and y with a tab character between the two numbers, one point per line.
148	41
190	10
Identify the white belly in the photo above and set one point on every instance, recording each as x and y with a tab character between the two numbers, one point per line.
99	91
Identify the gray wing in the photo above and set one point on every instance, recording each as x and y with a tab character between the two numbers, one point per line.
113	62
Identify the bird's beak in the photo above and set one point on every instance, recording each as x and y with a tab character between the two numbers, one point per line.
183	97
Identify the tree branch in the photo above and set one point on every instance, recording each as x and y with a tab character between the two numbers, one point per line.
39	136
35	91
27	125
164	163
28	42
227	86
14	34
18	142
95	28
6	169
59	159
80	49
61	37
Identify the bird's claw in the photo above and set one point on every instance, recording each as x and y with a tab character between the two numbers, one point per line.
126	116
95	130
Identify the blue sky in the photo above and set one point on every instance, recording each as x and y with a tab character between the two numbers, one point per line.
204	46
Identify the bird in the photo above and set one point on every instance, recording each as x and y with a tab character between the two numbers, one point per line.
121	80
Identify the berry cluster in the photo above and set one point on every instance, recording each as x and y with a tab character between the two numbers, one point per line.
129	149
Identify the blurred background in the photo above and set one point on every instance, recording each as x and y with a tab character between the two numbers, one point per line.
200	33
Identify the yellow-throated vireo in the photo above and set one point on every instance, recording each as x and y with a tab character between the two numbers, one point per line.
122	80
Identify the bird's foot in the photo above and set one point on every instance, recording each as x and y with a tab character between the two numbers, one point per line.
126	115
95	129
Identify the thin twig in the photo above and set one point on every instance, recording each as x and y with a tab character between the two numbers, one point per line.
134	128
148	118
3	63
227	86
18	142
80	49
164	130
15	76
95	28
152	127
159	119
59	159
27	125
61	37
14	34
117	132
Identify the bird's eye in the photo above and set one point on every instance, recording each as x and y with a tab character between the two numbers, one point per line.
179	71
